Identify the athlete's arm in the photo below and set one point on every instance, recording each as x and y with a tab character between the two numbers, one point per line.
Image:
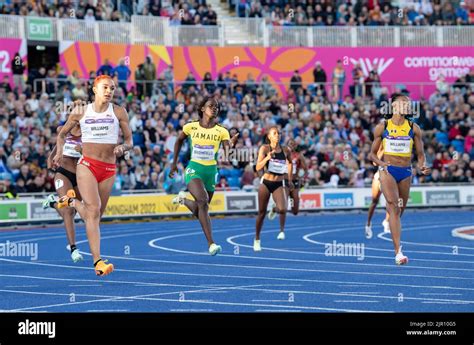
303	165
264	155
289	164
177	148
72	121
127	145
376	144
49	162
420	151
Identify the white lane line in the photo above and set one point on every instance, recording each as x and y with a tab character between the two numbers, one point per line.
361	292
381	236
20	286
433	302
277	311
231	241
272	300
308	239
356	285
107	310
246	288
247	277
353	301
440	294
191	310
151	243
193	301
282	269
113	298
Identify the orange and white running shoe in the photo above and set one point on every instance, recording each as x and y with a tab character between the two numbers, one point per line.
65	201
102	268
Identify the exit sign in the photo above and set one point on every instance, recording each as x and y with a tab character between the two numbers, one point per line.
40	29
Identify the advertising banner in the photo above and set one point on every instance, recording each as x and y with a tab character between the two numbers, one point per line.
37	211
13	211
332	200
443	197
8	49
154	205
310	201
242	202
401	67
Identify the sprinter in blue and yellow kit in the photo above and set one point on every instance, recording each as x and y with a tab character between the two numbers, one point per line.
397	136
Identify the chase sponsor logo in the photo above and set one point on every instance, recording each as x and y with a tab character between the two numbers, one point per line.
338	200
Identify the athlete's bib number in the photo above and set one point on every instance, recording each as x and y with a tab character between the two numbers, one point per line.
277	166
203	152
397	146
70	150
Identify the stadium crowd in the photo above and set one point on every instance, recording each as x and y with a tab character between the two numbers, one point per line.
358	12
181	12
276	12
333	130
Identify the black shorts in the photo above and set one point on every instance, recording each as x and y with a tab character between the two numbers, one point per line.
296	183
273	185
70	176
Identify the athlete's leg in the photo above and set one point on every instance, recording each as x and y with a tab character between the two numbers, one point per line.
105	188
375	199
295	196
392	197
89	208
279	195
63	184
263	198
192	206
404	191
201	199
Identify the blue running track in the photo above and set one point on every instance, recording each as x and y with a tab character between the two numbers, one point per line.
164	267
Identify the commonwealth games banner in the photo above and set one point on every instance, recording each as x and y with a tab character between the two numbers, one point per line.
403	66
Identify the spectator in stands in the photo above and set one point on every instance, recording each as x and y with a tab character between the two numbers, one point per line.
320	77
123	73
149	70
296	81
442	86
358	79
18	68
80	92
106	68
338	80
6	84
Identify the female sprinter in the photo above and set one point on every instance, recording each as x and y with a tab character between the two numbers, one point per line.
64	180
397	136
276	162
205	137
100	124
300	173
376	192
